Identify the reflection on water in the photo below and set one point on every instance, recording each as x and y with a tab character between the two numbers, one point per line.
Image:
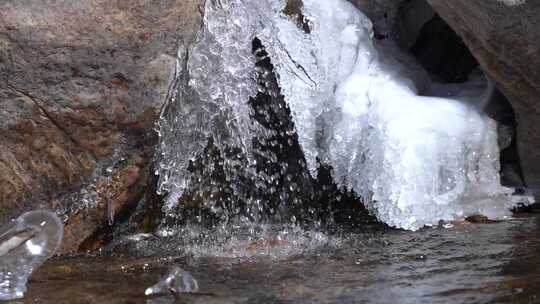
470	263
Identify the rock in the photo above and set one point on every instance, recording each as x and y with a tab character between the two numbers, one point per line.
376	9
401	19
81	84
384	15
442	53
504	37
480	219
411	17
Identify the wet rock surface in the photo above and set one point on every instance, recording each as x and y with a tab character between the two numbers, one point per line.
504	38
81	84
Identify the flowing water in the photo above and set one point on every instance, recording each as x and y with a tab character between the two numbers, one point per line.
469	263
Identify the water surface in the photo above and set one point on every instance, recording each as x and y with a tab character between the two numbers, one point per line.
469	263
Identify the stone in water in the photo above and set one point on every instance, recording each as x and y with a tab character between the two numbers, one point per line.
25	243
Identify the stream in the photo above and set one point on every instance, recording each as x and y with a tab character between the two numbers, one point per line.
468	263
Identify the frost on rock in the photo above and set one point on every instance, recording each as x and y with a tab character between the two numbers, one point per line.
417	152
176	281
25	244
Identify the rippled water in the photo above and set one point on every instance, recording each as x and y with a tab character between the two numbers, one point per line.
469	263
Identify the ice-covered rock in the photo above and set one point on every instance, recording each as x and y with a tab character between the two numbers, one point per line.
414	159
25	244
416	151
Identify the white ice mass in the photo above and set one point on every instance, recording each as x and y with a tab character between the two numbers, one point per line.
358	104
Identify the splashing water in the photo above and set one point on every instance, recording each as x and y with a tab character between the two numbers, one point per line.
358	105
261	241
274	241
25	244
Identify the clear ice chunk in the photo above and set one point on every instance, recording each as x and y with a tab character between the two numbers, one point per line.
176	281
25	243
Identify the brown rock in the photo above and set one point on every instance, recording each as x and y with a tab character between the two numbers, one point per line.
81	84
114	194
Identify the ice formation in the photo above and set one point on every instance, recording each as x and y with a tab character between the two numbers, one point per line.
216	76
416	151
210	113
25	244
176	281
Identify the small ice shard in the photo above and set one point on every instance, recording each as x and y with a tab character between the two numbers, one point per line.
25	243
176	281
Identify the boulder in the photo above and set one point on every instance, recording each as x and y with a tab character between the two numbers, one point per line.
81	85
